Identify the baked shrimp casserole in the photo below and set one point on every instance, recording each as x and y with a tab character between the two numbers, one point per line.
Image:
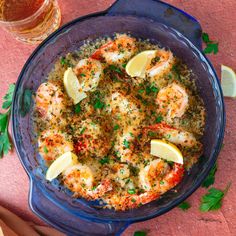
119	120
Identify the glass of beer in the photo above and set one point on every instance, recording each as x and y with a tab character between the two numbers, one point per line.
30	21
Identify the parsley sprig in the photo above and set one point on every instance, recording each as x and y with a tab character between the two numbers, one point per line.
213	199
140	233
5	144
211	46
184	206
210	179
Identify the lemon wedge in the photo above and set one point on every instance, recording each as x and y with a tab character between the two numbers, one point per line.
137	65
166	151
60	164
73	87
228	81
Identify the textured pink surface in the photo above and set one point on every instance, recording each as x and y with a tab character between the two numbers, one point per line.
218	19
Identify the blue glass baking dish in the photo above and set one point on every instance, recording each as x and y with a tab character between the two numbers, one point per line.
159	22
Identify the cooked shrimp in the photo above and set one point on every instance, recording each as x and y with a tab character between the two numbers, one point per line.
80	180
53	143
92	139
172	101
158	176
160	64
130	118
117	51
50	100
181	137
89	72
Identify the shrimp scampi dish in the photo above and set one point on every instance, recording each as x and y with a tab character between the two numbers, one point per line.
119	120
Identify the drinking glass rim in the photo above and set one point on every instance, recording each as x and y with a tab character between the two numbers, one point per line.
27	19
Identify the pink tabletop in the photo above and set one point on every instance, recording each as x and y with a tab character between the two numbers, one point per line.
218	18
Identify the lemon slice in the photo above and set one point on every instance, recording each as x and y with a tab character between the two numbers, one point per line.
137	65
228	81
73	87
166	151
60	164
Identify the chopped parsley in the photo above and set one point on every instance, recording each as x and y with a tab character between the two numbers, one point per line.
94	187
45	149
184	206
116	127
98	104
151	89
114	68
159	119
65	62
131	191
151	133
141	91
126	143
133	200
77	108
131	134
104	160
168	136
82	130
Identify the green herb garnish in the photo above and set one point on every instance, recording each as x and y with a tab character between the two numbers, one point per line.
45	149
151	89
151	133
141	91
131	191
116	127
205	38
65	62
211	46
77	108
184	206
115	68
133	200
98	104
210	179
140	233
7	99
213	199
126	143
5	145
159	119
82	130
94	187
104	160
